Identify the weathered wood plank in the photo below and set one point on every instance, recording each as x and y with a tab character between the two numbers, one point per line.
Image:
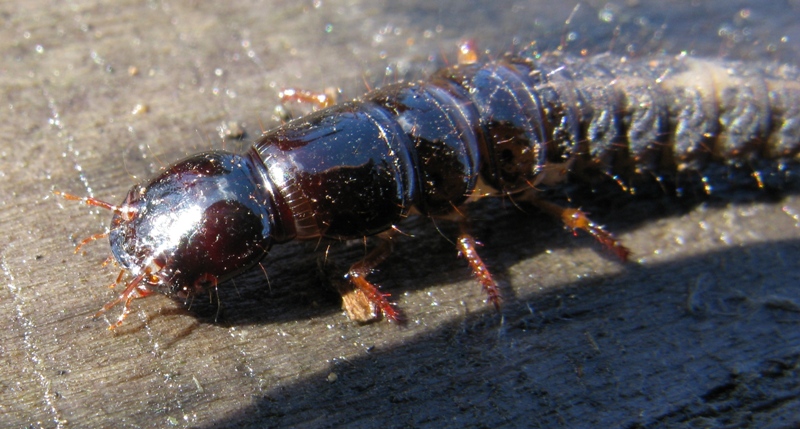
701	330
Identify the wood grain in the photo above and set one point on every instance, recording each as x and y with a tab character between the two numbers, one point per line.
699	330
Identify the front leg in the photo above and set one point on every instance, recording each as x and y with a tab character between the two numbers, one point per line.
362	300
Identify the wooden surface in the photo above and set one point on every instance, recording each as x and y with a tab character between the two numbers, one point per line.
699	330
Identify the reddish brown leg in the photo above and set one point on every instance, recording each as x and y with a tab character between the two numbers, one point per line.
363	303
119	279
90	239
467	52
319	100
133	290
576	219
303	97
467	247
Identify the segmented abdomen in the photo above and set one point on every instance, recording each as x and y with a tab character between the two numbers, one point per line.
626	117
519	123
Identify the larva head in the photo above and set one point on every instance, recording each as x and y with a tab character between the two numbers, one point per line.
198	223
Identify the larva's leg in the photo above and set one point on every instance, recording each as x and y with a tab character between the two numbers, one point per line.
312	99
135	289
319	100
467	52
467	247
364	302
576	219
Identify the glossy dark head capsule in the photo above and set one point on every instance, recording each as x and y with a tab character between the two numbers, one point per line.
199	222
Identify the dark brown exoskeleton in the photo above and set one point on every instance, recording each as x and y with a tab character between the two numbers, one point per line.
510	127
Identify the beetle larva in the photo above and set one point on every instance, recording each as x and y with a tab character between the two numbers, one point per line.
504	128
